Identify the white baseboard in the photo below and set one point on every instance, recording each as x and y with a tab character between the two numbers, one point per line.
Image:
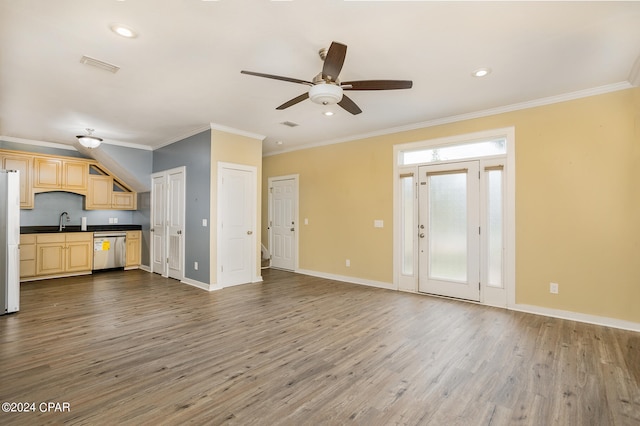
145	268
345	278
577	316
195	283
530	309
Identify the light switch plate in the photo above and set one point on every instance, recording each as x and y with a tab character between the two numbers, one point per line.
378	223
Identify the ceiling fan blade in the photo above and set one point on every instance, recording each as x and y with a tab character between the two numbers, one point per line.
277	77
294	101
334	61
377	84
349	105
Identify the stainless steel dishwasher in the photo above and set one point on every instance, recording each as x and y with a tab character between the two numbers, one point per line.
109	250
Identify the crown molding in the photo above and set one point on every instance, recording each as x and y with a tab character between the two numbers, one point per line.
38	143
472	115
238	132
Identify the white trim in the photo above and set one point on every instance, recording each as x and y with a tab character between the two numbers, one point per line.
529	309
145	268
347	279
577	316
38	143
195	283
236	131
71	147
296	215
182	137
600	90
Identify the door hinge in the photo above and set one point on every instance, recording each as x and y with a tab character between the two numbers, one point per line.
271	190
478	286
478	230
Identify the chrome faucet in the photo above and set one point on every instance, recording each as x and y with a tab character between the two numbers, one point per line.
61	221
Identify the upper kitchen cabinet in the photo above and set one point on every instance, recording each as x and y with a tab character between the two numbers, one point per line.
24	164
60	174
44	173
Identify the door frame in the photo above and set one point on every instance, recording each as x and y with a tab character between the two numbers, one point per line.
221	281
165	175
505	297
296	216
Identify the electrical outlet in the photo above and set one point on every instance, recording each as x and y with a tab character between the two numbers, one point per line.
553	288
348	263
204	222
195	265
110	220
115	220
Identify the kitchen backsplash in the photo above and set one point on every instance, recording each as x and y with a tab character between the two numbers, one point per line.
49	205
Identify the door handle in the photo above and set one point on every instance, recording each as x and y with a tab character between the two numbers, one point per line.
249	232
293	229
421	235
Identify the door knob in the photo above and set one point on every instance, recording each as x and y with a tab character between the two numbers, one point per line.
421	235
249	232
293	229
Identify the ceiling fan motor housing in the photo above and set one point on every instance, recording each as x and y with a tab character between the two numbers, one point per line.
325	94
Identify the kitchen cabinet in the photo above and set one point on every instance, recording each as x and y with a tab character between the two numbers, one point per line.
27	255
99	194
107	194
24	164
64	253
134	247
61	174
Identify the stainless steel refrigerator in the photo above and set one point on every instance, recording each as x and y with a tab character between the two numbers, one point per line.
9	241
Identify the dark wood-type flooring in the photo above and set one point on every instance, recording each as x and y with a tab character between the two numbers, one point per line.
135	348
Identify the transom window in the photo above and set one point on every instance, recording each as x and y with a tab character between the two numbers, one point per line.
486	148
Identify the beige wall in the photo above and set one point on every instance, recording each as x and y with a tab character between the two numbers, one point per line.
577	202
233	148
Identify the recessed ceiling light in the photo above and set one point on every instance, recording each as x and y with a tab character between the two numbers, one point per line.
481	72
279	142
328	113
123	31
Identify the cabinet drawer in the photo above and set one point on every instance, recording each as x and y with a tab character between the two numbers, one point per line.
79	236
50	238
27	252
27	239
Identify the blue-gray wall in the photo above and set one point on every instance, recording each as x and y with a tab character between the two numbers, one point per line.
194	153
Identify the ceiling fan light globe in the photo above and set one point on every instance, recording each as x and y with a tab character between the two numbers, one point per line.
325	94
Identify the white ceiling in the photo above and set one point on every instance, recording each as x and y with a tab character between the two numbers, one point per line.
183	70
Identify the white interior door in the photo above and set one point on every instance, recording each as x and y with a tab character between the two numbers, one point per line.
283	226
175	223
236	224
158	224
449	228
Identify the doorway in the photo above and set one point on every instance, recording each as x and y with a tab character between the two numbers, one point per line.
449	230
283	222
167	222
237	213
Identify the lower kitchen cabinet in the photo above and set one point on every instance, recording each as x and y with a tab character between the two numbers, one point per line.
134	246
62	254
27	255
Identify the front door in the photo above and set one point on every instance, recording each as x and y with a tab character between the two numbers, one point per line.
449	227
282	223
236	224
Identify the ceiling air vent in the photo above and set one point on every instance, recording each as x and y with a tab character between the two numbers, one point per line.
289	124
87	60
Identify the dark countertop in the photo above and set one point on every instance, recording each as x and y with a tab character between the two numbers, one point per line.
90	228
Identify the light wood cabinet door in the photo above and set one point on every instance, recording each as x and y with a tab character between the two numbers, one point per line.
50	258
99	195
123	200
24	164
79	252
134	247
75	176
27	255
47	173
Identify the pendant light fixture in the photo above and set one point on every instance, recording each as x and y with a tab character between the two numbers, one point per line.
88	140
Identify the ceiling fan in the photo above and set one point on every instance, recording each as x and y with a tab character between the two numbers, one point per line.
327	89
